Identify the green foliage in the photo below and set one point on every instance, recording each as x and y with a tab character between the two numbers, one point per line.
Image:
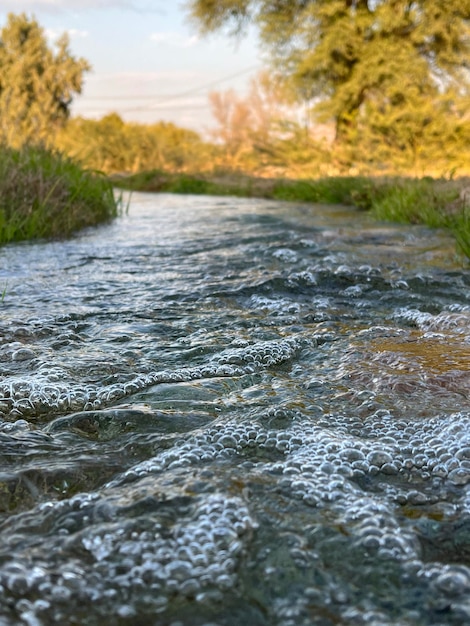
44	195
426	201
37	83
415	202
189	185
301	191
112	145
391	75
357	191
165	182
460	225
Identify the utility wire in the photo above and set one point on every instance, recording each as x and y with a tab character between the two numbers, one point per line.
183	107
183	94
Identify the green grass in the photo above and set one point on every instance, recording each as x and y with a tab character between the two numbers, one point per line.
460	226
427	201
359	191
164	182
414	201
46	195
333	190
411	201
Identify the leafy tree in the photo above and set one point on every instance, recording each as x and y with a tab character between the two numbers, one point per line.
394	68
37	82
112	145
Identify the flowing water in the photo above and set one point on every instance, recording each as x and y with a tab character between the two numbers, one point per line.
235	412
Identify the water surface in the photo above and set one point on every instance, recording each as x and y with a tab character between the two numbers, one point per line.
225	411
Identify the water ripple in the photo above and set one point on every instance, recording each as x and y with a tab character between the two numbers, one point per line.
234	412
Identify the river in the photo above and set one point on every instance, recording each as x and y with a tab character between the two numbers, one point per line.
224	412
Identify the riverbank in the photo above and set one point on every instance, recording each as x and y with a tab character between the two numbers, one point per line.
439	203
46	195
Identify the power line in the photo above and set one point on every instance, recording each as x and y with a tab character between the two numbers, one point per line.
183	107
192	91
176	96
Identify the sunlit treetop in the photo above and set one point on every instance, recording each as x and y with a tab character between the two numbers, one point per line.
346	53
37	81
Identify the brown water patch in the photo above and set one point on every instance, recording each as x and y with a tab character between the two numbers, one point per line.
440	355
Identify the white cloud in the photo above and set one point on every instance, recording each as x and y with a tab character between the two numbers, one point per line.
77	34
58	6
174	39
53	34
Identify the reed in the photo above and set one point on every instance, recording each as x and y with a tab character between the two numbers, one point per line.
46	195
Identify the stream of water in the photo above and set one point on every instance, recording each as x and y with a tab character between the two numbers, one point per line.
229	412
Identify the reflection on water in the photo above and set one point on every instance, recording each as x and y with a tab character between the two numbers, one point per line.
234	412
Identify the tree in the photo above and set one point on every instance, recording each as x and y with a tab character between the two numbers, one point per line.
260	131
360	58
37	82
112	145
234	126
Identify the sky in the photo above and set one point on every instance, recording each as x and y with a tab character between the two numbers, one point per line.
149	64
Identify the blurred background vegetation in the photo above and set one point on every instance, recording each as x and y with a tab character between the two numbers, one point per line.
384	87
